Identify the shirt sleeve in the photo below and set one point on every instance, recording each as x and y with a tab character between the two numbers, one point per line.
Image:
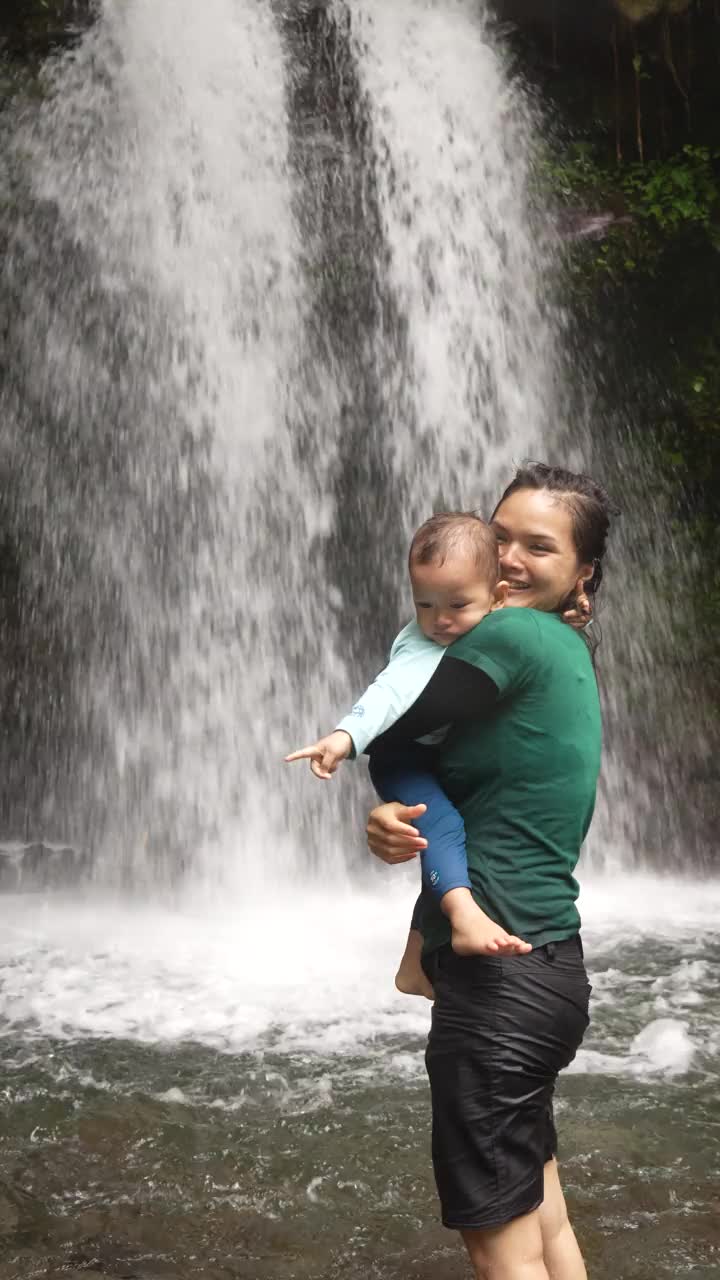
413	659
506	645
488	664
456	692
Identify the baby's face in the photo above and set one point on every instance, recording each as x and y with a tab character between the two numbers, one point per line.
451	598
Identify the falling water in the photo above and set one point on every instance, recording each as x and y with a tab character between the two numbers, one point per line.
180	409
150	429
268	308
462	250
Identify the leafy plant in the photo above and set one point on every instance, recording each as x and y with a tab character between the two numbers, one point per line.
671	193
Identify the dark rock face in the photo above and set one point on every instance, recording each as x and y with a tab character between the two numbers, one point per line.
332	153
30	867
641	73
586	22
31	29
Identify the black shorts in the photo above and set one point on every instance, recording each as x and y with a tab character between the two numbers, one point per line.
502	1029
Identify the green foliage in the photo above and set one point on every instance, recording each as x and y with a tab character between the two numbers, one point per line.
660	260
670	194
651	208
574	176
650	203
690	436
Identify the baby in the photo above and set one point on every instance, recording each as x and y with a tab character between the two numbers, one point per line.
453	565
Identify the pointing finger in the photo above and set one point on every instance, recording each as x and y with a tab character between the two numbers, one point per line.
307	753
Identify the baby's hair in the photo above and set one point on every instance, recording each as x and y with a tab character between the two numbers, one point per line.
452	533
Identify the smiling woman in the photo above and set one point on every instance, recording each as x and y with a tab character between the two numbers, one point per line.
551	527
520	764
535	565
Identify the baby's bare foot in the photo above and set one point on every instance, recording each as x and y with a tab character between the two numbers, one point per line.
475	934
411	978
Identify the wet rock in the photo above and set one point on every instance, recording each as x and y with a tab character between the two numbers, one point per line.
83	1275
21	1214
103	1273
33	28
9	1215
113	1268
25	868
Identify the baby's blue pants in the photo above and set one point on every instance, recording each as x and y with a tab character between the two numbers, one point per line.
444	861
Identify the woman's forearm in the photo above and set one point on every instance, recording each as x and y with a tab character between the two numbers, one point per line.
456	693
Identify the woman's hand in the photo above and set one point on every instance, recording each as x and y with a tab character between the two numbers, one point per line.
390	835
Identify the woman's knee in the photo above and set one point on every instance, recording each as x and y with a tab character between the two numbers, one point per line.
553	1210
513	1250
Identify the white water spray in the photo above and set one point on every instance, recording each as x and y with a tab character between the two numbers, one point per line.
464	254
171	500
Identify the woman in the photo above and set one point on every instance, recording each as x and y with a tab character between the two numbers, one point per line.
521	766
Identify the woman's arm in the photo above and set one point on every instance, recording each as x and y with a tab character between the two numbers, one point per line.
457	692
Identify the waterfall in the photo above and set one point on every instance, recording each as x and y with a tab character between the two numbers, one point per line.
278	287
463	249
165	520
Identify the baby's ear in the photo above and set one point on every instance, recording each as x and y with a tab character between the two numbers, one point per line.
500	595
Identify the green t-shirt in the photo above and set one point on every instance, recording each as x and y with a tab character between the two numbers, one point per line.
524	778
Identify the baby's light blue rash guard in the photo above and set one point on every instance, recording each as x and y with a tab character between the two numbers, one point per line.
413	659
405	777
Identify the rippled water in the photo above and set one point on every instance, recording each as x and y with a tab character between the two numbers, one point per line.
192	1094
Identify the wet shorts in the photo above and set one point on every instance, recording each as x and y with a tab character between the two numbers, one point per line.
502	1029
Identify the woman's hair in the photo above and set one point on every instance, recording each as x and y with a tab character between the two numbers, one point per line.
590	505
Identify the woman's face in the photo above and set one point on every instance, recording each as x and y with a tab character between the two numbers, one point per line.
538	556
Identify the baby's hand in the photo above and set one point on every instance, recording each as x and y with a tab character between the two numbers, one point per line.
325	755
581	613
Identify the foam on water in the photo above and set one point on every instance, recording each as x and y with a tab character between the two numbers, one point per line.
300	975
314	975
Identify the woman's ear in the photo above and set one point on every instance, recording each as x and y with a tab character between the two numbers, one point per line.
500	595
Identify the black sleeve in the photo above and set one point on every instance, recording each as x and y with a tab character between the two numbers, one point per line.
456	693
